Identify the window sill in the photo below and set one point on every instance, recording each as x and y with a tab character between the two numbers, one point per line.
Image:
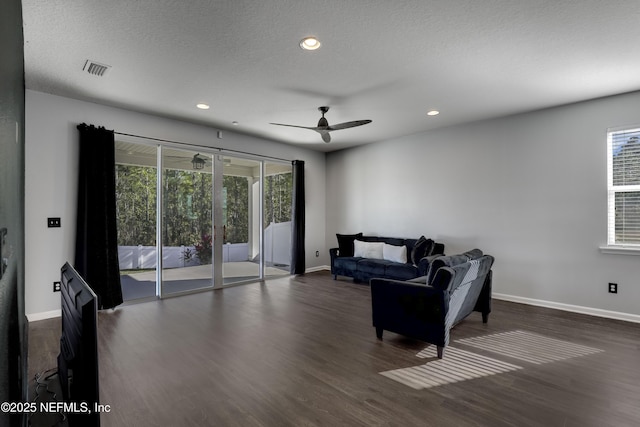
620	250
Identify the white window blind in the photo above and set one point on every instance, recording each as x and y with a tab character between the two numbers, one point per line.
623	147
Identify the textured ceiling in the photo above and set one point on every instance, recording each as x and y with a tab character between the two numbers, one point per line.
388	61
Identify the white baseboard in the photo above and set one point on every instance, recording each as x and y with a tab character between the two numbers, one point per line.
627	317
318	268
34	317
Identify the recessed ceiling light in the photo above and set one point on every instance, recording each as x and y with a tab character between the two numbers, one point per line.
433	113
310	43
202	106
235	123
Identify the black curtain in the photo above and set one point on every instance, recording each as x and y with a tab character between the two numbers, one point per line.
96	229
297	218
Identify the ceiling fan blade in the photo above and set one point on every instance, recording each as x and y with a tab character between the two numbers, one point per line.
325	136
347	125
293	126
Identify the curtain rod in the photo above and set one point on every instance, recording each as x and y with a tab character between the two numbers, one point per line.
200	146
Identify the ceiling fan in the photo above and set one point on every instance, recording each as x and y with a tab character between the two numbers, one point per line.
323	127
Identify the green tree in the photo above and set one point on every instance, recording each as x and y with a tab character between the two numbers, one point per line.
236	209
187	205
136	205
277	190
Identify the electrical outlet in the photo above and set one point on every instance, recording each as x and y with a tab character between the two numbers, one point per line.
56	286
317	254
613	288
53	222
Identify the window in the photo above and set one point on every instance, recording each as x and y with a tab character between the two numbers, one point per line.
623	157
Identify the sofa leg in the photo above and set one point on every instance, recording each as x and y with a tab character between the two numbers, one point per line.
379	333
440	352
335	276
485	317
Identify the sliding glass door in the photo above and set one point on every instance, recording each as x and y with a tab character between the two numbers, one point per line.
256	218
277	218
241	240
136	213
221	220
187	221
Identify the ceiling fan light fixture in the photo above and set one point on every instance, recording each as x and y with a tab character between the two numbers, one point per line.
310	43
433	112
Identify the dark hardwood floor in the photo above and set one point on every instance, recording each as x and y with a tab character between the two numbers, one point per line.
302	352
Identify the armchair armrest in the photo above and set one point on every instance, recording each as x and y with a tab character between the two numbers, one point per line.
412	309
333	253
416	310
483	304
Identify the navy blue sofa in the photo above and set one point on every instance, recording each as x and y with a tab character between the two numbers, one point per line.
419	253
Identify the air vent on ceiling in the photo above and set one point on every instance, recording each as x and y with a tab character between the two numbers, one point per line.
95	68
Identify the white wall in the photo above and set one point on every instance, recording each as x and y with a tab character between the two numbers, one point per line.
51	173
529	189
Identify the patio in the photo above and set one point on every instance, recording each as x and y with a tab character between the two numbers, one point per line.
137	285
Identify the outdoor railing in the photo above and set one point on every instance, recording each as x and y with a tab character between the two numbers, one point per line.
277	248
144	257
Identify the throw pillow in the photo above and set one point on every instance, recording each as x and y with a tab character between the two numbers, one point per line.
431	245
345	243
371	250
421	249
394	253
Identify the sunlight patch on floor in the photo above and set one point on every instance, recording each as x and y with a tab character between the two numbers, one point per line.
457	365
528	347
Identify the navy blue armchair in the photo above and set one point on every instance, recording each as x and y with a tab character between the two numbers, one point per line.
426	308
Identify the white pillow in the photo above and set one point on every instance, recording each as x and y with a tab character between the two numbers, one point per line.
368	249
394	253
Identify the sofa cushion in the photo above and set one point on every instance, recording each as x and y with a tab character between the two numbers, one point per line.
399	271
421	280
346	263
394	253
345	243
373	250
372	267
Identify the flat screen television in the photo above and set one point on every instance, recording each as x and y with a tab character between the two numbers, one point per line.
78	358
